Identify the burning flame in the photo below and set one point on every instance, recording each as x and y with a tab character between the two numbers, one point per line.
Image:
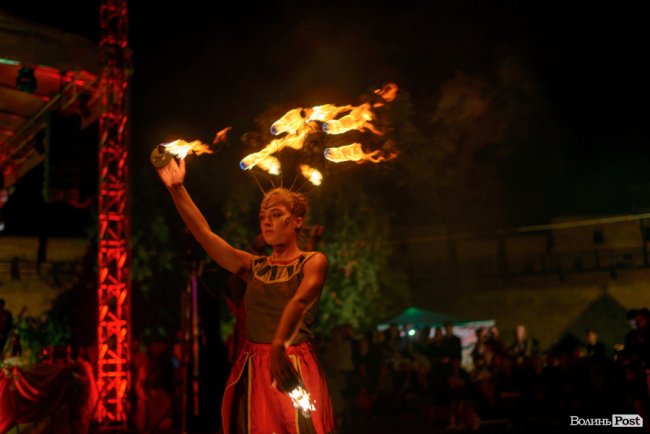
270	164
354	152
301	400
221	136
180	148
291	122
359	118
388	92
297	124
294	120
294	141
312	174
324	113
252	160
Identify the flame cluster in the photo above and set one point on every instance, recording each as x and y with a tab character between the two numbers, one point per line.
301	400
180	148
293	128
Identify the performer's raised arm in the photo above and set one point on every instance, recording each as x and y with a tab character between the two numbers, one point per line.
231	259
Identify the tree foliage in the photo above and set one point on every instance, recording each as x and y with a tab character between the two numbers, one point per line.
152	253
158	271
363	287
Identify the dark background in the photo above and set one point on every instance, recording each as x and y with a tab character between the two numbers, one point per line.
201	66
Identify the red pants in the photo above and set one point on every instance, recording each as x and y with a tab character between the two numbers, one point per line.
266	410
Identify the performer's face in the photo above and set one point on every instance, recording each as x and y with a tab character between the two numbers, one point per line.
277	224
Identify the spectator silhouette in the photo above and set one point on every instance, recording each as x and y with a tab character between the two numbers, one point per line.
631	318
593	347
523	346
495	340
6	323
451	345
635	363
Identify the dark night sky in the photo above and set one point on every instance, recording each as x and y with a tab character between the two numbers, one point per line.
200	66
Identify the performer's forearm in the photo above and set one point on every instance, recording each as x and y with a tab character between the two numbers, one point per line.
190	213
222	252
289	322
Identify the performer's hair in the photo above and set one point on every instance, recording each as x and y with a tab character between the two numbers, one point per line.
295	201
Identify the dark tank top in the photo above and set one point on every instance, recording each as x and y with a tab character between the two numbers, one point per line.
270	287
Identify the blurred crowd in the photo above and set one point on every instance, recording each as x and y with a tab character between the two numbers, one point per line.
417	376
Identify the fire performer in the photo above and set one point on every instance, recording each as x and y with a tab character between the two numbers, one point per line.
277	360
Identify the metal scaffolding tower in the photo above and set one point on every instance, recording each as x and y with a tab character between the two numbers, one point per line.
113	364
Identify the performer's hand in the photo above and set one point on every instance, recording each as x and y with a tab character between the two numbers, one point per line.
283	374
172	174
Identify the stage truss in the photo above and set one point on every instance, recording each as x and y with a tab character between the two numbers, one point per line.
114	300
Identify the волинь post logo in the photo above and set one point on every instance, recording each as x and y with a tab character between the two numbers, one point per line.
616	421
